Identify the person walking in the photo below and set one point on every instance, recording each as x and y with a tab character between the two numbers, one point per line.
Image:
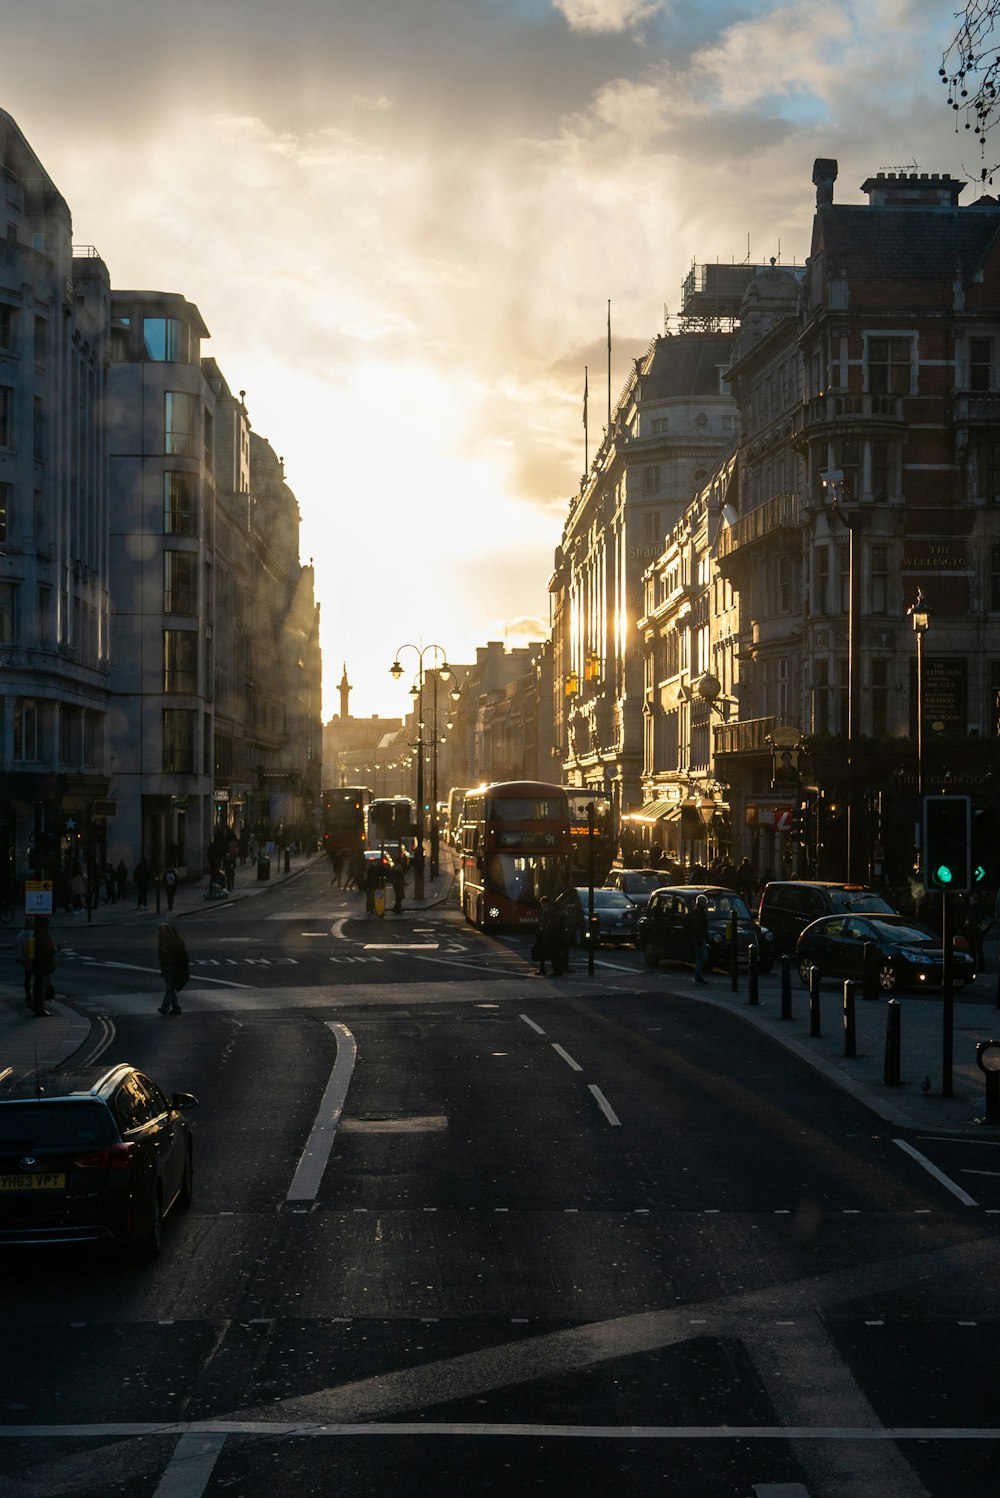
174	967
170	883
698	931
547	947
24	951
397	877
142	875
43	968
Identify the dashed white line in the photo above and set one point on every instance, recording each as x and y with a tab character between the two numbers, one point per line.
537	1028
604	1105
939	1175
566	1057
309	1171
190	1468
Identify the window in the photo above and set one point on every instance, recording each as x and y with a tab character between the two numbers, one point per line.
848	451
651	479
164	340
889	361
781	701
5	493
995	577
70	735
880	579
41	339
180	582
25	729
121	339
651	532
990	471
6	328
209	444
784	585
659	425
178	421
180	660
45	616
178	740
844	563
6	415
822	574
8	621
38	428
180	504
980	363
880	470
93	740
821	696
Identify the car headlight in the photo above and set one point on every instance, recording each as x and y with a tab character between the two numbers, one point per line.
918	958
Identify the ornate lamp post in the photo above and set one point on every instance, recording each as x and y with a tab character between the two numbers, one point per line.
444	672
833	483
920	615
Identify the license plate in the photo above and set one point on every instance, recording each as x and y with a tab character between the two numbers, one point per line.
38	1181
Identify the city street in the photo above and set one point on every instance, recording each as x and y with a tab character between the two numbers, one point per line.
458	1228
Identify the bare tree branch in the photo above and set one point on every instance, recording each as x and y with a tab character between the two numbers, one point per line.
970	70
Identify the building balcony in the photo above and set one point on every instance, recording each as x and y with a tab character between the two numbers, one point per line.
751	736
980	408
837	410
760	525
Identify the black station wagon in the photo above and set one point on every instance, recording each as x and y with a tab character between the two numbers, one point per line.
92	1155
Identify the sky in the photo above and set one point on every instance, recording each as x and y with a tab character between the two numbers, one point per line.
402	222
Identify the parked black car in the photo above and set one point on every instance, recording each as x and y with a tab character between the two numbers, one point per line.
909	955
92	1155
663	934
788	906
615	916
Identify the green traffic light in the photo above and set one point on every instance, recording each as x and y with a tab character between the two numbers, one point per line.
943	874
978	874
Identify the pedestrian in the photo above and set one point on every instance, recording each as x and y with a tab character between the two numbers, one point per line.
24	951
547	939
337	865
745	880
43	968
142	875
355	873
174	967
170	883
397	878
229	870
697	925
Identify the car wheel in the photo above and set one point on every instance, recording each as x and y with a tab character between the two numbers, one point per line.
651	952
805	968
888	979
186	1194
150	1244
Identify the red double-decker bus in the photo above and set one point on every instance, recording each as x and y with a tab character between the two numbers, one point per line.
515	848
345	818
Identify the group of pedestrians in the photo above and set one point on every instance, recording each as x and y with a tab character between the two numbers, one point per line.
35	951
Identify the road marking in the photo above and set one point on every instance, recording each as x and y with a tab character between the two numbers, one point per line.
537	1028
566	1057
604	1105
190	1468
939	1175
309	1171
401	946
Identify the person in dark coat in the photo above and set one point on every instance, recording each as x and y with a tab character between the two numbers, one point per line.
43	968
397	878
548	941
174	967
697	924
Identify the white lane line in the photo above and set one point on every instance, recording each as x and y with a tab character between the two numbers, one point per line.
401	946
537	1028
309	1171
566	1057
133	967
939	1175
603	1104
189	1470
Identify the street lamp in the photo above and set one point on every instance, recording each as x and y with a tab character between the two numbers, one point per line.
833	482
920	614
444	673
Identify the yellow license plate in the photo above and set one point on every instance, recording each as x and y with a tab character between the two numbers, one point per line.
38	1181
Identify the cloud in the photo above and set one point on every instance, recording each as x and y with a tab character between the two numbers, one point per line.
607	15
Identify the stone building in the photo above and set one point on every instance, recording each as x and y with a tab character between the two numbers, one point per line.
54	578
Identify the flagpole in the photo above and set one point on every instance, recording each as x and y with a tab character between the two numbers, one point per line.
586	448
609	369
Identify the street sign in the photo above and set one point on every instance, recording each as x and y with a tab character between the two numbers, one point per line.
38	897
784	818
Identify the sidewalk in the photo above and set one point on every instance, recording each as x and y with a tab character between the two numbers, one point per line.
27	1042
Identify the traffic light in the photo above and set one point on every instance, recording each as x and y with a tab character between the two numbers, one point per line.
947	840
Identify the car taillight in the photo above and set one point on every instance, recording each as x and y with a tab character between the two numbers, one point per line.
115	1157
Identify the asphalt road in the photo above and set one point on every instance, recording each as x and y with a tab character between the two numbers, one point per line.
460	1230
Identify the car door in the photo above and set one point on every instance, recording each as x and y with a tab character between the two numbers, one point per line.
166	1134
856	934
824	945
677	943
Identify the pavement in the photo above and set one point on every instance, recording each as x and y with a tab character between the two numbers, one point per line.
917	1102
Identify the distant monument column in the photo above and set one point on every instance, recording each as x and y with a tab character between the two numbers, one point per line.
345	689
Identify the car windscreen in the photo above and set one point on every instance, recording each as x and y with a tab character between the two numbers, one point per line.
726	905
47	1125
607	899
859	902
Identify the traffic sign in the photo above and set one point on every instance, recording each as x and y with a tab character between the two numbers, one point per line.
38	897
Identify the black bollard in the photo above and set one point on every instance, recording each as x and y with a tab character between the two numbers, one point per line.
753	994
288	861
786	987
814	1020
734	956
156	886
850	1031
870	989
890	1070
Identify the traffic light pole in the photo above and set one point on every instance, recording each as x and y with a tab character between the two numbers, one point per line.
948	996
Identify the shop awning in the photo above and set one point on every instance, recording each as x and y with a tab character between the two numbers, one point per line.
655	811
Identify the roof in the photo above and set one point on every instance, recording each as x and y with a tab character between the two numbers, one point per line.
906	243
